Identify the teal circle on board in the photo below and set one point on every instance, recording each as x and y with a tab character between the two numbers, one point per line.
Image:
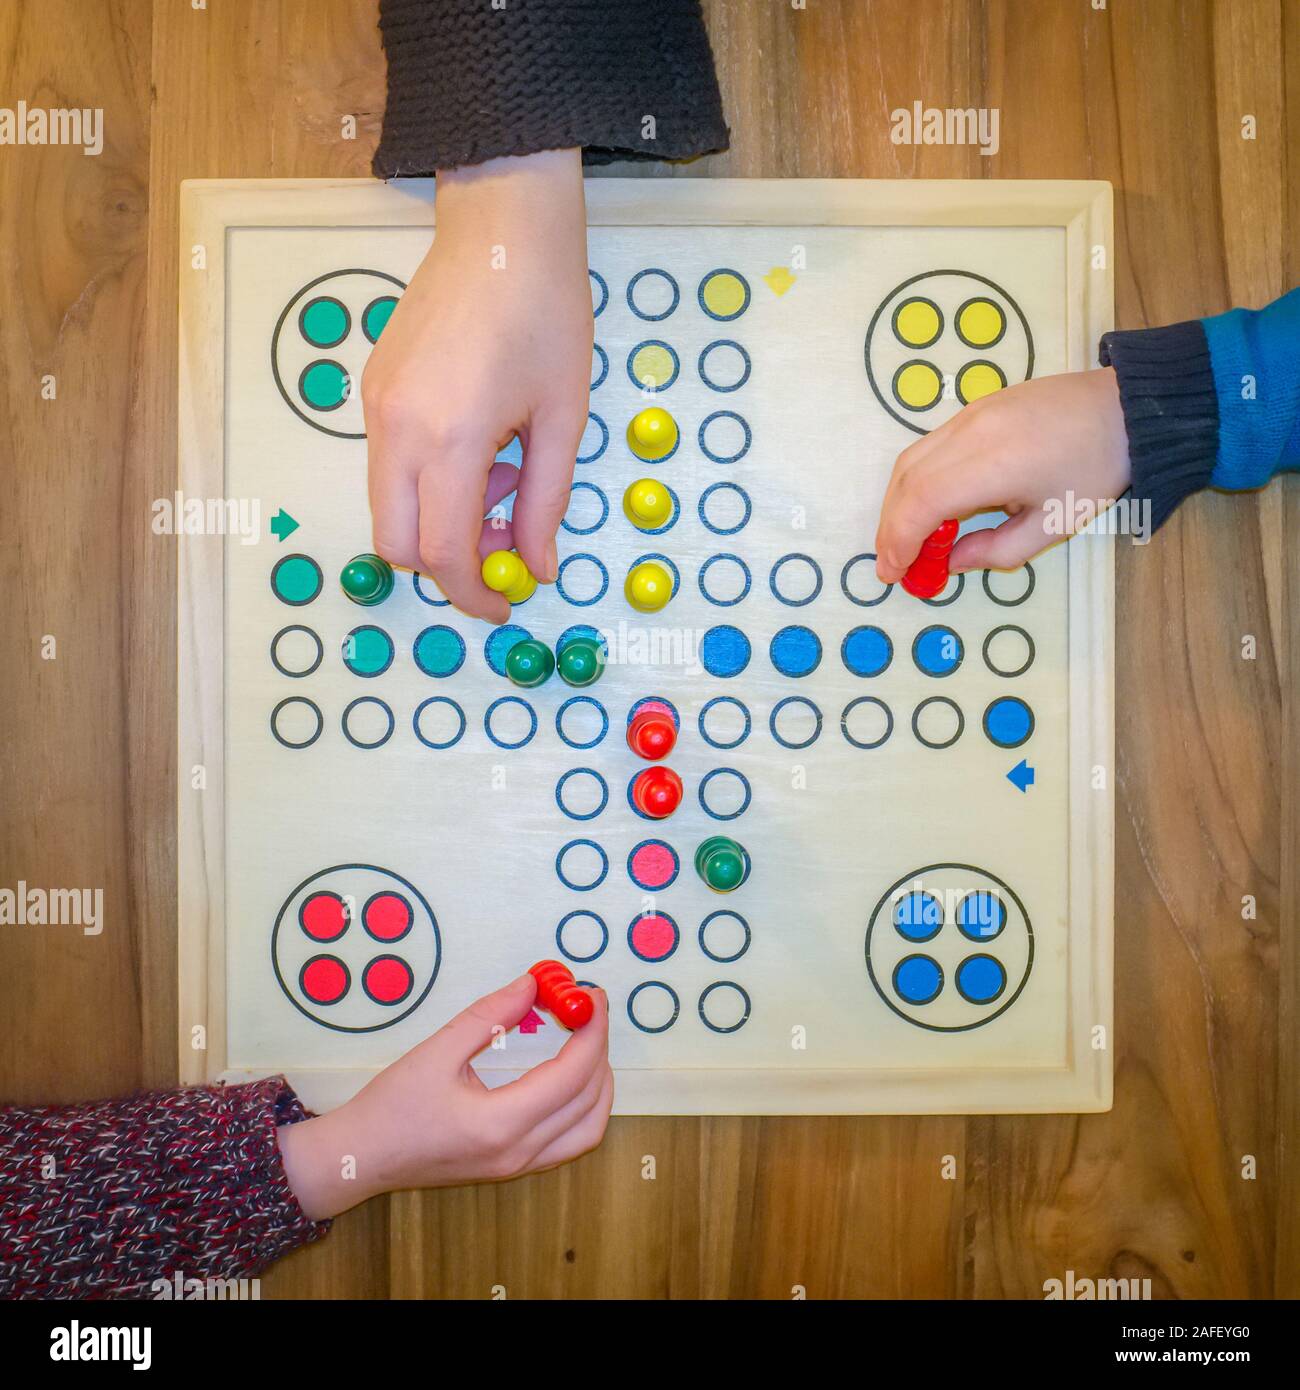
439	651
378	312
325	322
367	651
324	385
296	579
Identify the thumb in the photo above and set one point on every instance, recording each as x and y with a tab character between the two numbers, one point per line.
474	1028
545	477
1004	547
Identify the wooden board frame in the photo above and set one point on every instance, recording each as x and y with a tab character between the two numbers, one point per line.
1083	209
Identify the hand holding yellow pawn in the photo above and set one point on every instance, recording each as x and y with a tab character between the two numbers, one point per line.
505	573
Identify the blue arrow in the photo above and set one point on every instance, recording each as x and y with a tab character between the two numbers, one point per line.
1022	775
282	524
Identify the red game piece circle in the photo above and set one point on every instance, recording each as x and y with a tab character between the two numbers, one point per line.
387	917
324	979
387	979
652	864
654	936
324	916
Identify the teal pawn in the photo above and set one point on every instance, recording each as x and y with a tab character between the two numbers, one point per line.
581	661
529	663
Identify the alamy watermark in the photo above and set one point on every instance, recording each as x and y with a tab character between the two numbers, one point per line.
53	907
919	124
60	125
1104	516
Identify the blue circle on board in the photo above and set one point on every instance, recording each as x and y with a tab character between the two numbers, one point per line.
918	979
427	598
598	282
592	634
439	651
742	376
745	579
637	279
918	916
438	700
599	366
581	772
785	704
796	651
724	700
581	700
981	979
653	984
645	385
725	487
498	704
785	598
569	598
745	787
867	651
564	921
725	651
849	566
938	651
1008	722
581	844
498	644
716	916
724	458
604	510
594	419
981	915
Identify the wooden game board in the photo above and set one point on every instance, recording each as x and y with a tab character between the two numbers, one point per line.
924	789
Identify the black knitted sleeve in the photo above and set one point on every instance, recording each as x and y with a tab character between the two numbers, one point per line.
469	80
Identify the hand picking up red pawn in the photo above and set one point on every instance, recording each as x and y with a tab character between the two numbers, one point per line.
560	994
928	574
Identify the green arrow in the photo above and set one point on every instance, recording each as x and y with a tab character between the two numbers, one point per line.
282	524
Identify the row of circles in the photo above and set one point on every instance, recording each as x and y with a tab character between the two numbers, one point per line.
796	722
723	436
795	579
582	936
297	650
653	294
582	794
654	365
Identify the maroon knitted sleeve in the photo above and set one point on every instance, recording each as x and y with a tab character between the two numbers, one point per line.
469	80
103	1199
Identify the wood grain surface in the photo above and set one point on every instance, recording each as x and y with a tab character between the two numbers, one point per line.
1149	94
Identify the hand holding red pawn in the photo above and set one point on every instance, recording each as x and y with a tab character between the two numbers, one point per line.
560	994
928	573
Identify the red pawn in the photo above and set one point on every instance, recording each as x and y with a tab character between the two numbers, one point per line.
560	994
652	734
657	792
928	573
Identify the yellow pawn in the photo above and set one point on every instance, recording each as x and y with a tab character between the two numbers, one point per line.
506	573
649	586
647	504
652	433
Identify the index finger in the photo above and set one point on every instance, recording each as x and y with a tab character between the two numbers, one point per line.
452	505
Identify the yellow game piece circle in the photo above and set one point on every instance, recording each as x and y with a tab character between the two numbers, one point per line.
652	433
649	586
653	366
724	294
978	379
918	385
980	323
647	504
918	322
503	570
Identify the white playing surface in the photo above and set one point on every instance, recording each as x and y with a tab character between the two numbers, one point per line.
831	828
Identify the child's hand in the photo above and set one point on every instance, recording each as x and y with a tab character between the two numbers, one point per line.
492	338
1012	451
429	1121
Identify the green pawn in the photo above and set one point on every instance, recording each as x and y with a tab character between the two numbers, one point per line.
367	580
582	660
722	863
529	663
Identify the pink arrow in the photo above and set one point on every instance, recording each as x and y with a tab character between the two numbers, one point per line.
531	1022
